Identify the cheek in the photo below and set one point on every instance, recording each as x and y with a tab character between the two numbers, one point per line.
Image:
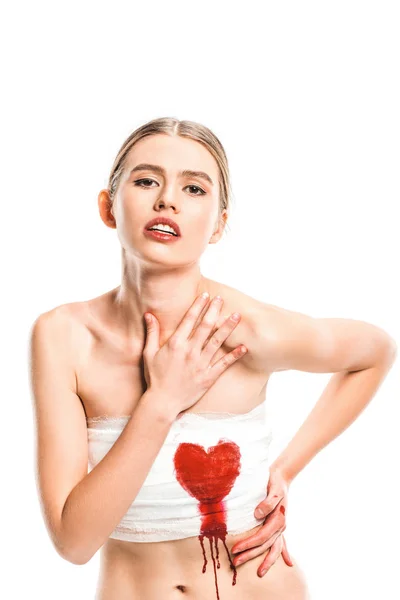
198	235
205	224
132	218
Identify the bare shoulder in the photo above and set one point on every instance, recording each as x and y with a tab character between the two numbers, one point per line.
280	339
260	327
64	327
68	314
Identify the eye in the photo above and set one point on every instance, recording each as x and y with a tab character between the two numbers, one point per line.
138	182
197	188
141	180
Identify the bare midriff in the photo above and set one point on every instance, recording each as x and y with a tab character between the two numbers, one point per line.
176	569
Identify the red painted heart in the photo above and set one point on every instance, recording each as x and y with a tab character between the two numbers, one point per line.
207	476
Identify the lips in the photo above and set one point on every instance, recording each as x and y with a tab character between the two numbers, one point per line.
165	221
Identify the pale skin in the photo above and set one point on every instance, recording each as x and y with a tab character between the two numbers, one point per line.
95	370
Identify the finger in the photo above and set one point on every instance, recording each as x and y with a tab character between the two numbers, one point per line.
256	550
253	540
219	336
268	505
273	525
267	532
152	343
185	327
271	558
223	363
285	553
274	496
220	321
207	323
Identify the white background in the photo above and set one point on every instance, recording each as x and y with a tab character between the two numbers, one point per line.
305	99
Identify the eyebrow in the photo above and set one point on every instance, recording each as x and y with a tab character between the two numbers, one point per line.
161	171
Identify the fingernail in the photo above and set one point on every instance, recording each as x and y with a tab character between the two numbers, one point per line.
263	572
259	513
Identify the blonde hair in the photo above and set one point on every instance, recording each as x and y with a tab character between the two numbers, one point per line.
188	129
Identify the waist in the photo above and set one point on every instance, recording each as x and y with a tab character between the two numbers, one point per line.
176	552
161	570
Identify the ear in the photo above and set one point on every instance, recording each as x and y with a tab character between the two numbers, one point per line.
105	209
219	227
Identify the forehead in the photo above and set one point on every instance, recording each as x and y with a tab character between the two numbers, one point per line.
174	153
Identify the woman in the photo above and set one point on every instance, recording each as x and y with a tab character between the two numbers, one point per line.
138	402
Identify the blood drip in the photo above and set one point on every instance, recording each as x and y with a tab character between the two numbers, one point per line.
209	477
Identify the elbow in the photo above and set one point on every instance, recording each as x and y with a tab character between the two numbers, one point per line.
68	545
79	561
77	558
71	552
390	351
73	556
393	348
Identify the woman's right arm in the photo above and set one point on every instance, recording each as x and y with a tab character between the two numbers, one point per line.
82	509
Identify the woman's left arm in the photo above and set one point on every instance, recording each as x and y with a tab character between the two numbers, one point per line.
359	354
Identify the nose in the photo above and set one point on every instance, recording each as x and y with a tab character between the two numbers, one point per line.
167	199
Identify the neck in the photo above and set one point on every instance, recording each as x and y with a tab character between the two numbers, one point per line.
166	293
